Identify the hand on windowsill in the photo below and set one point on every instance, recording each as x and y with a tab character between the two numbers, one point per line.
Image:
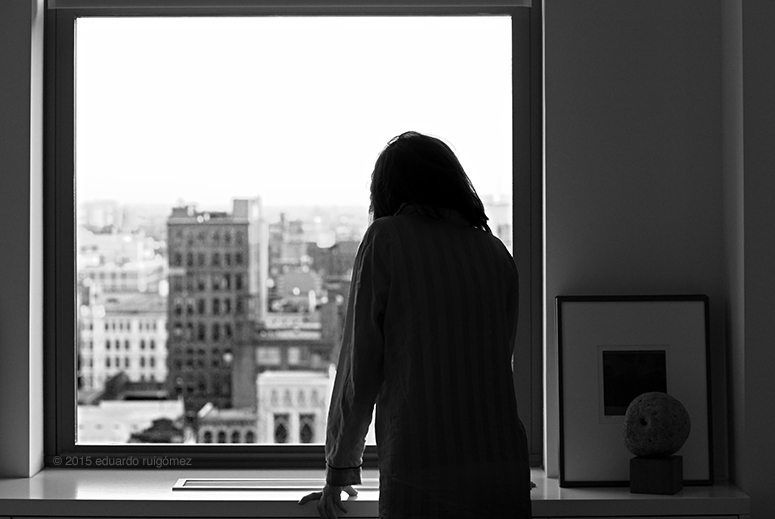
329	499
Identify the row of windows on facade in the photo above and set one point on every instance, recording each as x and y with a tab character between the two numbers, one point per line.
114	325
114	275
201	259
189	332
282	428
235	437
214	352
281	431
302	399
207	283
117	344
89	379
215	362
202	237
198	306
216	388
116	363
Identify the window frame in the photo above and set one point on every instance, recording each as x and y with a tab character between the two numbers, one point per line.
61	334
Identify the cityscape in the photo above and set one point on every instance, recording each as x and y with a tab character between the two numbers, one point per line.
211	326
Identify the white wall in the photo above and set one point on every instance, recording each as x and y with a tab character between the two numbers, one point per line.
633	163
21	237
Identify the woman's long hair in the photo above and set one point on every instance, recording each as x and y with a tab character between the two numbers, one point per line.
418	169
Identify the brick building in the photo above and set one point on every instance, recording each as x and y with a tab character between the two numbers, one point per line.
217	293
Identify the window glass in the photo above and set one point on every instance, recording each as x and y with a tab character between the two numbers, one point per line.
222	173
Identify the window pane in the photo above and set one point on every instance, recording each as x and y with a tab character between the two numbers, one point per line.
223	169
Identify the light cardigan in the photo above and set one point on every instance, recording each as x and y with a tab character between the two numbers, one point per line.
429	337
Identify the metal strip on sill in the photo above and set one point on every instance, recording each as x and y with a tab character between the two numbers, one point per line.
272	484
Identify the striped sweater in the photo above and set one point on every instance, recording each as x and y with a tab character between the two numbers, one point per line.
429	336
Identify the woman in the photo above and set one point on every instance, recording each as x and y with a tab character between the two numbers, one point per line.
429	335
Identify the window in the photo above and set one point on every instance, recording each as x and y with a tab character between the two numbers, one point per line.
192	249
307	428
282	428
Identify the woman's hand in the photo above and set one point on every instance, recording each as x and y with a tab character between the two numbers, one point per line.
329	500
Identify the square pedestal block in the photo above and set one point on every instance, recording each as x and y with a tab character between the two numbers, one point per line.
656	475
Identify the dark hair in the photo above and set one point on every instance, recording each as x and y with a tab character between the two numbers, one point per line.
418	169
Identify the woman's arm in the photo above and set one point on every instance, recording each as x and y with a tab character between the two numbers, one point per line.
359	374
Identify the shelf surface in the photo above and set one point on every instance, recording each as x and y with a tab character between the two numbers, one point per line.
149	493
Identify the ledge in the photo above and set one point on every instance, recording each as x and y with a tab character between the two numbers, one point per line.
148	493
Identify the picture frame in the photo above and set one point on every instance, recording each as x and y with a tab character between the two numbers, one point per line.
610	350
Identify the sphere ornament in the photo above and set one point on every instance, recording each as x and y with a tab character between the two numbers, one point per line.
655	425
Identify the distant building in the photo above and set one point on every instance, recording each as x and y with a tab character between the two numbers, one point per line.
499	210
293	406
114	246
100	214
297	290
142	276
301	341
117	421
334	261
217	293
122	332
163	430
120	262
226	425
287	246
120	387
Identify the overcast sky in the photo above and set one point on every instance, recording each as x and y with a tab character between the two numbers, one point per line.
294	110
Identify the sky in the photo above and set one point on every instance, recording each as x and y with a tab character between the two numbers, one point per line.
294	110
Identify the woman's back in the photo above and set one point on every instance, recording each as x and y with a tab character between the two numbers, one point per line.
429	335
447	426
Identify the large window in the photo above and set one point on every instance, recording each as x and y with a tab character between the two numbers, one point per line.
211	176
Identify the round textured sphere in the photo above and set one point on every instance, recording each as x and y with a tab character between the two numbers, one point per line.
655	424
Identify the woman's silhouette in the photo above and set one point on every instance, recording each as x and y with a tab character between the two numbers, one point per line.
429	336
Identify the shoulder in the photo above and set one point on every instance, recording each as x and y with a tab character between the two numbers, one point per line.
382	229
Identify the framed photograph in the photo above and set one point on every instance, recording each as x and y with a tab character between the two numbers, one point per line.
614	348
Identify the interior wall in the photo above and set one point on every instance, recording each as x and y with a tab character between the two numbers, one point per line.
633	172
755	451
21	236
734	243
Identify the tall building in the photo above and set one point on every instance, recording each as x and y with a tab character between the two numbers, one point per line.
217	295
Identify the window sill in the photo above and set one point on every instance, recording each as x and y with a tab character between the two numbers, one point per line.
148	493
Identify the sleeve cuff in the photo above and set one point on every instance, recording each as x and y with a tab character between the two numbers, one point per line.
343	477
